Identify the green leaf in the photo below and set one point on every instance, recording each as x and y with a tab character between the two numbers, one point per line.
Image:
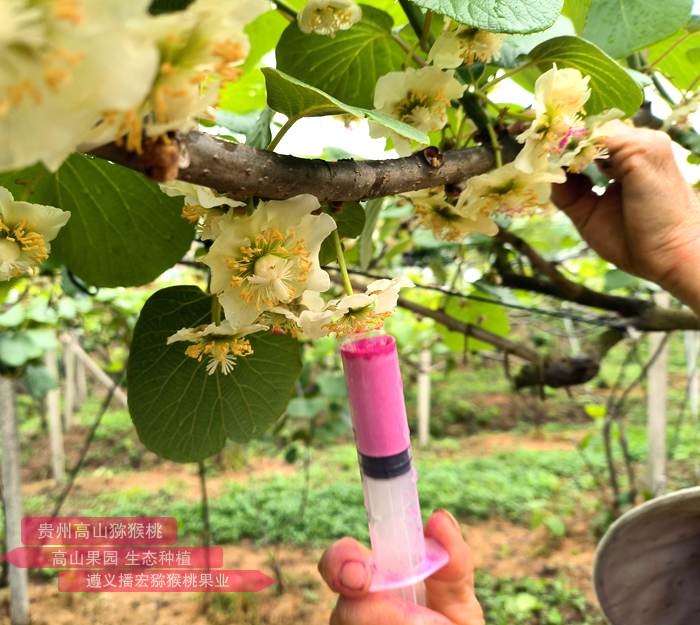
18	348
611	85
39	381
617	279
623	26
577	12
296	99
179	411
263	33
498	16
677	58
516	46
123	230
372	210
244	95
491	317
12	317
307	408
350	221
348	65
260	135
555	525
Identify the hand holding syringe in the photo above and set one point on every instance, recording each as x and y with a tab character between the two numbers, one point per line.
347	569
386	587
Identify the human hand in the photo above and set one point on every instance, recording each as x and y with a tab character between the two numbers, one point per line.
345	566
648	221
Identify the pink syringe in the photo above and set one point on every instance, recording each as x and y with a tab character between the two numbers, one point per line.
402	557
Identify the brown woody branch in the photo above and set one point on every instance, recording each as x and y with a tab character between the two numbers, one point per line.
242	171
640	314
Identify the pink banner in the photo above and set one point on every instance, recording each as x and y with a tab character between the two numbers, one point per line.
117	557
99	531
163	581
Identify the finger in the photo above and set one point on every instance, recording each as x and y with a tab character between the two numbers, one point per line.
639	149
383	609
451	589
345	567
574	193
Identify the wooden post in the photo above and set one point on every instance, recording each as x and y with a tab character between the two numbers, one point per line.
12	499
68	386
53	418
71	344
570	330
81	389
657	392
692	354
423	400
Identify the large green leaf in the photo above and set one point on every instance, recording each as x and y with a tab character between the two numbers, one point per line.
348	65
296	99
611	85
623	26
184	414
123	230
677	58
499	16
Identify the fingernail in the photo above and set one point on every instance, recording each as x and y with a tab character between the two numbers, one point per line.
353	575
454	521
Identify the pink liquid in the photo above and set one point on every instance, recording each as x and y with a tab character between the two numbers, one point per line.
375	392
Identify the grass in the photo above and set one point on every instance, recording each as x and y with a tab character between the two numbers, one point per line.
530	601
524	487
515	486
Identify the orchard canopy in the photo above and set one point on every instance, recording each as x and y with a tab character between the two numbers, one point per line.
139	135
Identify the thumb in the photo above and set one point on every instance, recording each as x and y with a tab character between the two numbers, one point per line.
450	590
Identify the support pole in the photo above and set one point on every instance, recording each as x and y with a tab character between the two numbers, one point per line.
81	389
53	418
424	367
68	387
692	354
12	498
657	393
71	344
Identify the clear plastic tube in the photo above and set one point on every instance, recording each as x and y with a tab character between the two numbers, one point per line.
402	557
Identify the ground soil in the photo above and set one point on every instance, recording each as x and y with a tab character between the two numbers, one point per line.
299	597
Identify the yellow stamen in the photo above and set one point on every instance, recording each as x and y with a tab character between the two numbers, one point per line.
222	353
54	76
32	243
193	213
68	10
357	322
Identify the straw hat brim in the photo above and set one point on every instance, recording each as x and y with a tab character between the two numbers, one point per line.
647	566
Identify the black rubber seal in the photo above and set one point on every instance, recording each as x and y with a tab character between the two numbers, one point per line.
386	467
